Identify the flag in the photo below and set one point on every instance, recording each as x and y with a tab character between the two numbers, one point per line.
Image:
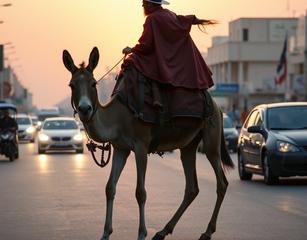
281	71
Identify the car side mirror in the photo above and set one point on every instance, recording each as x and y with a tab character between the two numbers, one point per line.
258	129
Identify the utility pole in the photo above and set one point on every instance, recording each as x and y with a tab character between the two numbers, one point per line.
1	72
305	57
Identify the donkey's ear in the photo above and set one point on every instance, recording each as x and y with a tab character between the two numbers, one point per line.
68	62
93	60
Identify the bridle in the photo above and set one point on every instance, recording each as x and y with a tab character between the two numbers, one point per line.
91	145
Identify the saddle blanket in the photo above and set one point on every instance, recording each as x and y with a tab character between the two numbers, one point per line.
154	102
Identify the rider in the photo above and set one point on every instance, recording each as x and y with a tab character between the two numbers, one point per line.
166	52
7	122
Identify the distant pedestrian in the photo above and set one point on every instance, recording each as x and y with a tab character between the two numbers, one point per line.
234	114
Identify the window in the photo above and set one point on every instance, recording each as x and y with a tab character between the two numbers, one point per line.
258	121
60	125
245	34
251	119
23	121
287	118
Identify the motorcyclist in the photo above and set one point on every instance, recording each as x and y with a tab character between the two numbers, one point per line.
7	122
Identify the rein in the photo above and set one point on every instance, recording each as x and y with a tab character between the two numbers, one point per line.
122	59
91	145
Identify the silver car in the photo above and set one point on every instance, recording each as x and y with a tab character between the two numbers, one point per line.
60	133
26	129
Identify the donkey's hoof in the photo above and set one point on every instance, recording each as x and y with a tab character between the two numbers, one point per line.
158	236
204	237
105	237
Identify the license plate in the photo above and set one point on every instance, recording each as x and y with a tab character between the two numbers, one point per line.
60	144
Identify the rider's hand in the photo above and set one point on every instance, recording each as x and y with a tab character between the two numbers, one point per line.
127	50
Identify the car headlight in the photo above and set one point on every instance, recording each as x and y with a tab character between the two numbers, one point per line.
286	147
78	137
30	129
43	137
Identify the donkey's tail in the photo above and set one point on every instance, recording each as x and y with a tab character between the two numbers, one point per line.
226	159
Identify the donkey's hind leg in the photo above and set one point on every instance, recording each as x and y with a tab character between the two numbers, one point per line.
188	159
213	153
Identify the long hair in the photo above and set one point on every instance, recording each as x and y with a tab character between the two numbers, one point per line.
203	23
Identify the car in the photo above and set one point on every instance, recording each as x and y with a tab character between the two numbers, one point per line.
230	133
34	120
60	133
273	142
26	129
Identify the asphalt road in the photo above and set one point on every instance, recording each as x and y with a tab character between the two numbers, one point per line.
61	197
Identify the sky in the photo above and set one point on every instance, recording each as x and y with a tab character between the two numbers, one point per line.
40	30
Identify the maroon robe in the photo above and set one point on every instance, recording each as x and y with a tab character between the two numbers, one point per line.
167	53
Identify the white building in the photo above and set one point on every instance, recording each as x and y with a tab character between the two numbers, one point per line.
244	63
297	46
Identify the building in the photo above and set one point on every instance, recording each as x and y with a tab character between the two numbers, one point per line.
297	61
11	90
244	62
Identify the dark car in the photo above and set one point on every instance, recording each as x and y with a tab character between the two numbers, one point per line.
273	142
230	133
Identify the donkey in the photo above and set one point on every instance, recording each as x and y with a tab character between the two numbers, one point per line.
115	123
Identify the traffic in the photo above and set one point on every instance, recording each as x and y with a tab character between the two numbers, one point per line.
48	129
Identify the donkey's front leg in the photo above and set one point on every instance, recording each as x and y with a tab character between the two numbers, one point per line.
118	162
141	165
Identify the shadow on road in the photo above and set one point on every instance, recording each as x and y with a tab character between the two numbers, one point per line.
294	181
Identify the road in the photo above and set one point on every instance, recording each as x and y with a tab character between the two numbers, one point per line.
61	197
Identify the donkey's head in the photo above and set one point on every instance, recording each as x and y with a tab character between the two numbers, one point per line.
83	85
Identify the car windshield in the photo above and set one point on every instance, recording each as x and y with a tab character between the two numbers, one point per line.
228	122
60	125
23	121
42	117
287	118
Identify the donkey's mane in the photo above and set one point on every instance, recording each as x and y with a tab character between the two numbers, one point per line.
82	65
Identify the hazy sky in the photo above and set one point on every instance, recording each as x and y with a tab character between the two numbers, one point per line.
41	29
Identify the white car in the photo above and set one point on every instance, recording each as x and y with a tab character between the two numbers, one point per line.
60	133
26	129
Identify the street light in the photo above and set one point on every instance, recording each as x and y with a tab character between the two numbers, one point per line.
1	73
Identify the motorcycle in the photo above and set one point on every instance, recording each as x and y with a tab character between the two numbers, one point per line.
8	144
8	137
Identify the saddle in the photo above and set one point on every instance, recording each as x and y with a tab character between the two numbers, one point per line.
157	103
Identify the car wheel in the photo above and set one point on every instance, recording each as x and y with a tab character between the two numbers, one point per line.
41	151
241	168
269	178
17	154
80	150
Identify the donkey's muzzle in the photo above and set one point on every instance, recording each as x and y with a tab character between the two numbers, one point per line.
85	109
